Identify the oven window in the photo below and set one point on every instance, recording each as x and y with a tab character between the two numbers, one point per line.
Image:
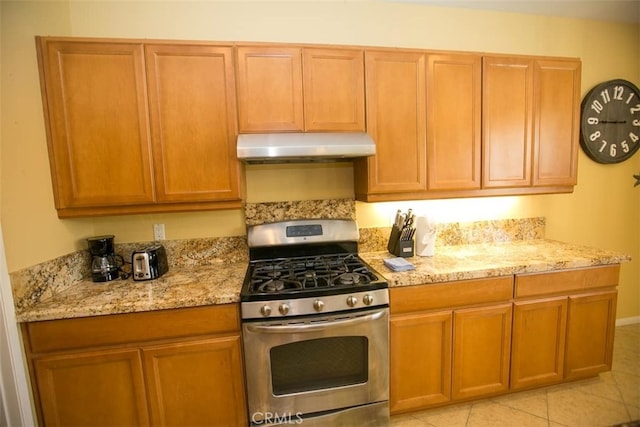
319	364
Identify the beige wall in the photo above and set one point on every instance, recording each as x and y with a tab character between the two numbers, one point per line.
602	212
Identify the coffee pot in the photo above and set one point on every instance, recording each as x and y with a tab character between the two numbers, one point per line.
105	264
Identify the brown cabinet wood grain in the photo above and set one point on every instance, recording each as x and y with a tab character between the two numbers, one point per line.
454	87
556	125
193	122
481	351
97	123
396	120
168	367
564	325
300	89
196	383
449	341
94	387
463	340
333	81
420	360
136	128
495	125
507	96
590	333
269	88
539	329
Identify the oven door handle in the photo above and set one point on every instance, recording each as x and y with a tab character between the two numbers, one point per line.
314	326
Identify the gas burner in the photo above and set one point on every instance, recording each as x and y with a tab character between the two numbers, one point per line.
272	286
276	285
351	279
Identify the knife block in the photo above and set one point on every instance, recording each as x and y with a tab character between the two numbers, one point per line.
401	248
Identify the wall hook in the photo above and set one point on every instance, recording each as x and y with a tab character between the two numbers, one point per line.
637	177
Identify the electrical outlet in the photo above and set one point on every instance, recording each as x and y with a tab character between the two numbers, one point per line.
158	232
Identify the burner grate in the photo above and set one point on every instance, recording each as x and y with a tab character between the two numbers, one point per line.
305	273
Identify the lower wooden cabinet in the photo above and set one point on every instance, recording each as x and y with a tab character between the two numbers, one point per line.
86	388
590	330
440	353
481	351
168	368
420	372
475	338
564	325
196	383
538	342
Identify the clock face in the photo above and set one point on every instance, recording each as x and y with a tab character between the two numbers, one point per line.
610	122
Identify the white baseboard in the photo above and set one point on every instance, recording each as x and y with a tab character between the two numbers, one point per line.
628	321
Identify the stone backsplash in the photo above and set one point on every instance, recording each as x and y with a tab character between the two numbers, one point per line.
34	284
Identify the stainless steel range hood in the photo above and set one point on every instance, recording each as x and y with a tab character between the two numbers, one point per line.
303	147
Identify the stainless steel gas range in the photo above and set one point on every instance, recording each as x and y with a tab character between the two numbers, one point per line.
315	325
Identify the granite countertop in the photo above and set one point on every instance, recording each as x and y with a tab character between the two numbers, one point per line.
220	283
493	259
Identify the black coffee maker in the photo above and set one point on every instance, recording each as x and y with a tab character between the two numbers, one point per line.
104	261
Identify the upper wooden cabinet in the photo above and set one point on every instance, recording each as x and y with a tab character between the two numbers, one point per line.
295	89
193	122
507	121
453	121
269	89
333	89
127	135
396	115
494	125
530	121
138	126
556	124
98	128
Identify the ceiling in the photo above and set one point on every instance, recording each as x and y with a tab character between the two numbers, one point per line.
627	11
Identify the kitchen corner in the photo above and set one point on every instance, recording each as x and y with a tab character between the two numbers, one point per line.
211	271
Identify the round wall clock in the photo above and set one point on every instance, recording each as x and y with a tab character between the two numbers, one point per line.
610	121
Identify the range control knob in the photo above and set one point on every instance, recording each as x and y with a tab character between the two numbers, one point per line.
318	305
367	299
265	310
284	309
352	301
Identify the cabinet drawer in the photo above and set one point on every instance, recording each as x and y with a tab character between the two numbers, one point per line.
66	334
566	281
451	294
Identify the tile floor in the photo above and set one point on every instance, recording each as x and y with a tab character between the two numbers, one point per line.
610	399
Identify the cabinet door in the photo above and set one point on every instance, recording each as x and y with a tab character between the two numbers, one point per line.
556	122
538	341
333	89
481	351
92	388
96	112
507	97
420	360
453	121
396	120
196	383
590	333
269	89
193	118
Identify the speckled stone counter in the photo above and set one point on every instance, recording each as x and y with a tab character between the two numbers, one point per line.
211	270
218	283
493	259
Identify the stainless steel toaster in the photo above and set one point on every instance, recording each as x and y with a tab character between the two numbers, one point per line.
149	263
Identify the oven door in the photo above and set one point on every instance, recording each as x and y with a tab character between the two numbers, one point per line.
319	363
